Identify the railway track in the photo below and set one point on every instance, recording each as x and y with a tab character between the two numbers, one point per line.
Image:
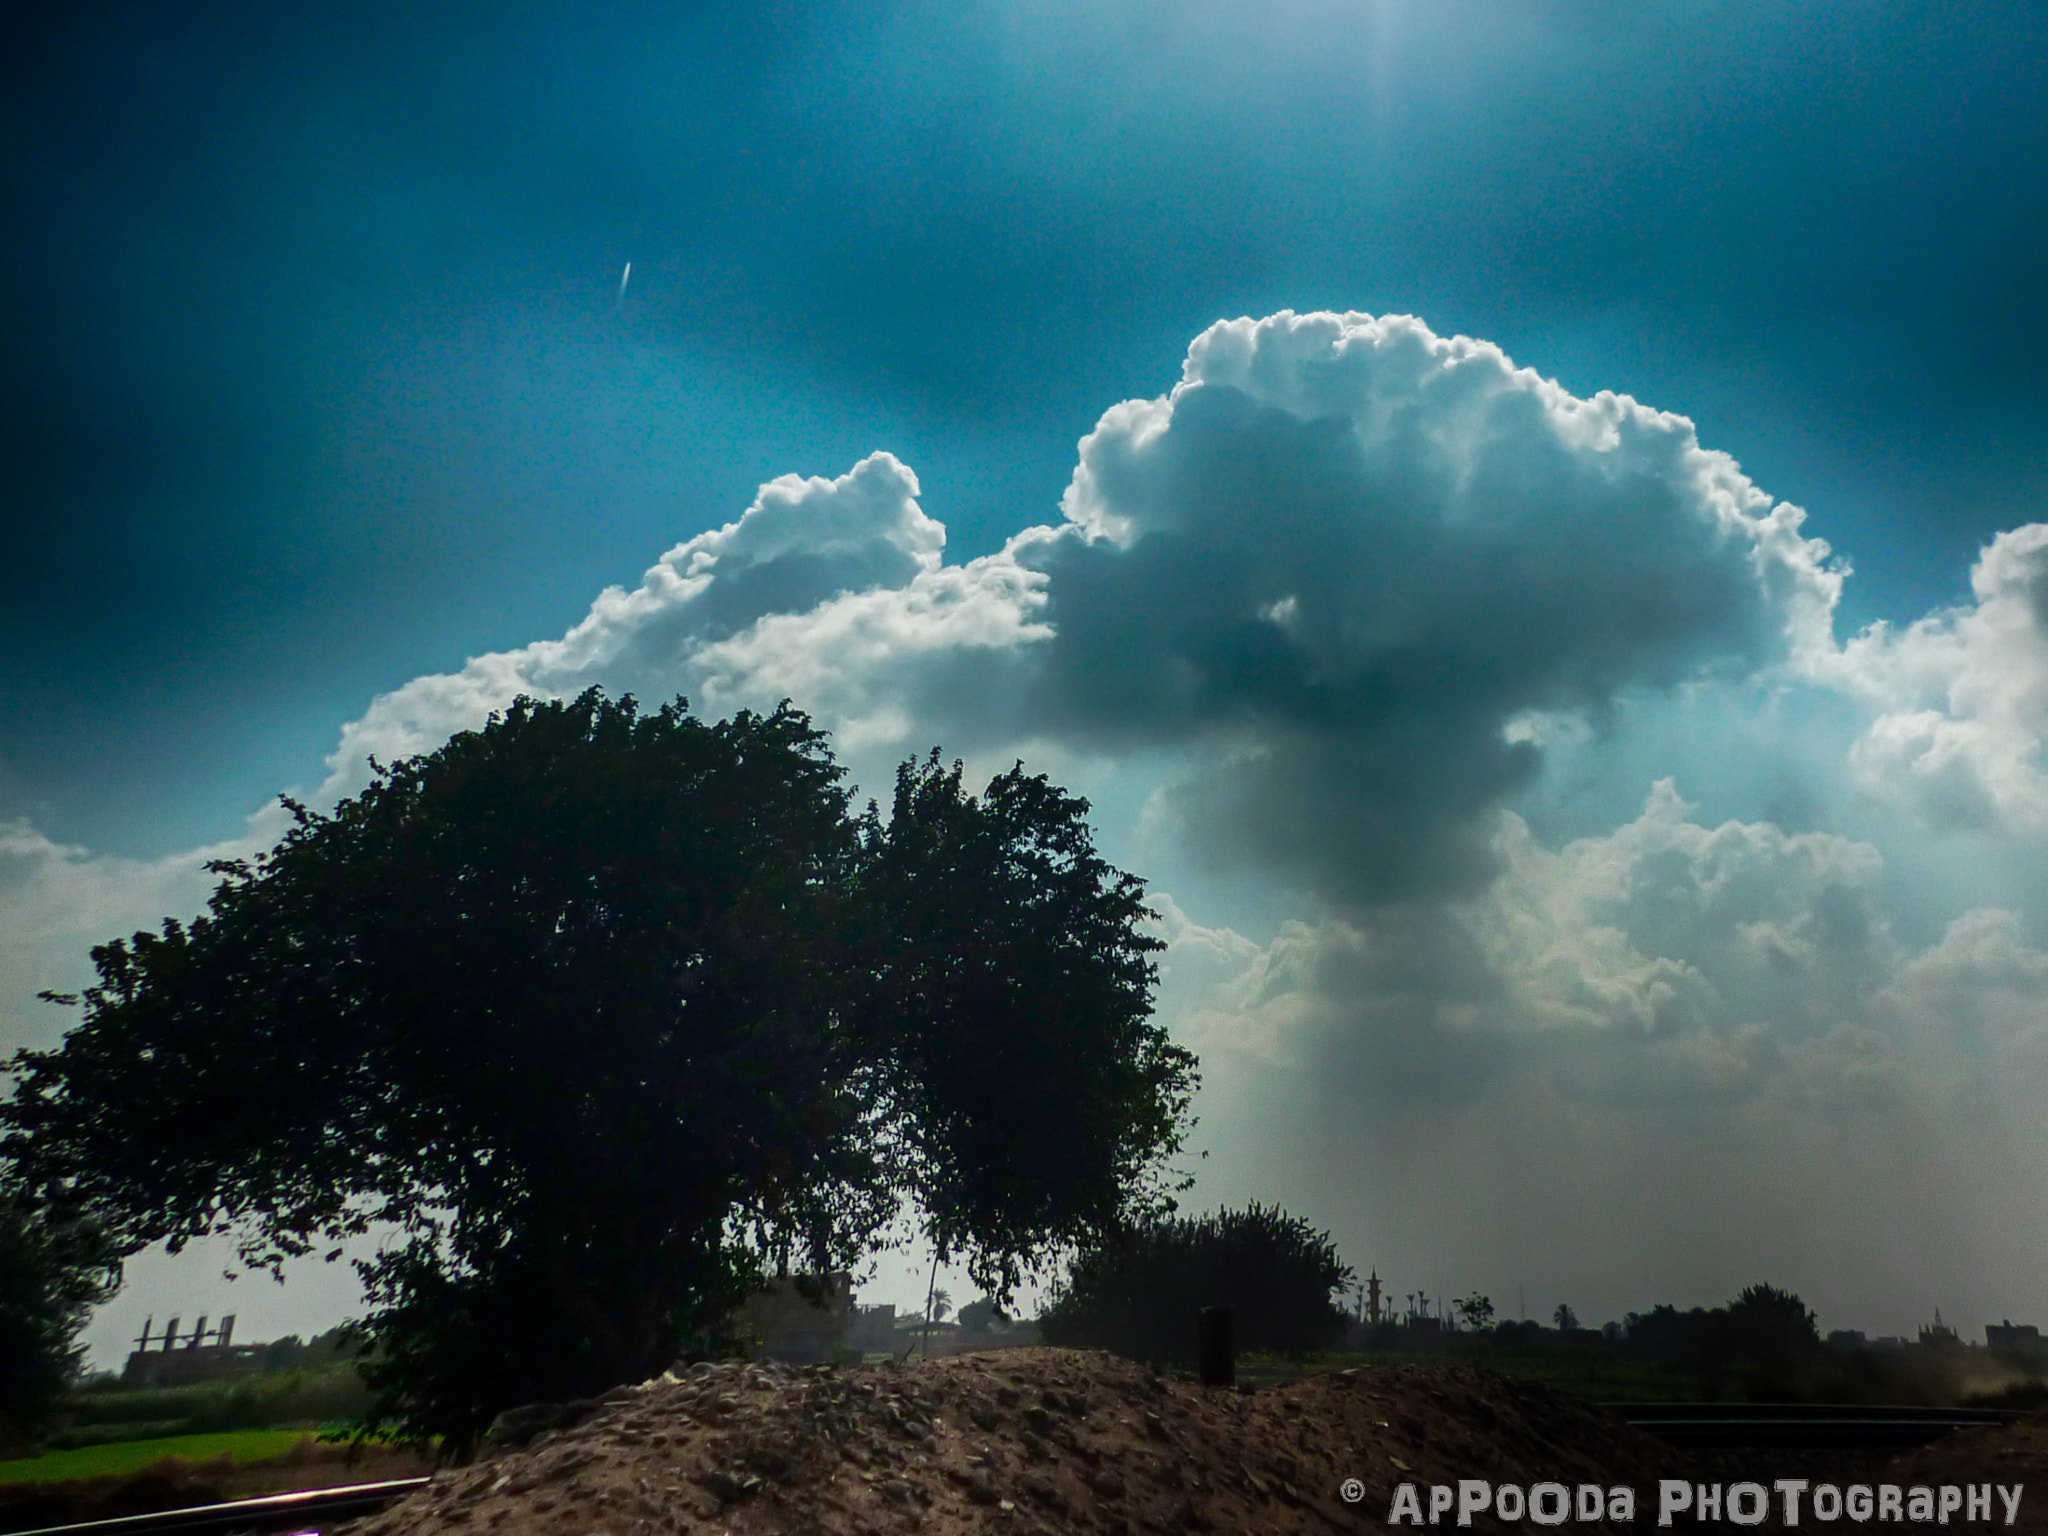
1802	1426
315	1511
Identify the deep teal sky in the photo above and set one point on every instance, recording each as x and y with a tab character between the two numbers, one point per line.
317	377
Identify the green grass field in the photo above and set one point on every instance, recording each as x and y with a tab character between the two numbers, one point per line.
132	1455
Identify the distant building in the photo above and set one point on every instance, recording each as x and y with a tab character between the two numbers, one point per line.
874	1329
801	1319
1846	1339
2016	1341
1938	1335
205	1354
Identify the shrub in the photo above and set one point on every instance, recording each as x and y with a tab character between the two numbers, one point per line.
1136	1292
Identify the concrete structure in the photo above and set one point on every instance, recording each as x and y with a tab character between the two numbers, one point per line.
801	1319
205	1354
2016	1341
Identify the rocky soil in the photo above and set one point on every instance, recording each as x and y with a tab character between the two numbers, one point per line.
1038	1440
2016	1453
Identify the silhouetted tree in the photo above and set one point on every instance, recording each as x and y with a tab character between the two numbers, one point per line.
1772	1331
980	1315
1136	1292
1475	1311
1565	1318
1760	1342
1011	1008
603	1014
54	1268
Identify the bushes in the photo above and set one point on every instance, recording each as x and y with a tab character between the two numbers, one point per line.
114	1434
54	1268
1136	1293
104	1415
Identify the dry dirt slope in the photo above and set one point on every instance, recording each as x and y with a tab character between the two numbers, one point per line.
1022	1441
2015	1453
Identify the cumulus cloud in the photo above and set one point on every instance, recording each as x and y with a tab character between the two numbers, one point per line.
822	590
57	900
1662	931
1341	565
1662	1062
1345	558
1961	698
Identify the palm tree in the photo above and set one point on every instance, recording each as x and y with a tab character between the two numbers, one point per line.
938	1301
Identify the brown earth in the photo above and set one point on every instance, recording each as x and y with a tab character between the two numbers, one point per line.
2013	1453
1025	1441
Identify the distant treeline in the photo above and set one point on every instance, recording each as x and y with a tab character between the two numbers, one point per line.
1136	1292
314	1384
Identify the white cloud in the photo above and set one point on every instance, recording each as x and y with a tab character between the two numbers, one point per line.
819	588
58	900
1349	561
1659	1063
1344	563
1962	698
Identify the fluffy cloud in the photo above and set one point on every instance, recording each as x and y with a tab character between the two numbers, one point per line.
819	591
57	900
1345	556
1661	933
1662	1062
1340	565
1962	698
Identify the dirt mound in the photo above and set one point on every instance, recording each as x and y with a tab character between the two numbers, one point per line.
2012	1453
1037	1440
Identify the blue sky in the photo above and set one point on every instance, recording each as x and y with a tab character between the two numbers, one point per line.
319	383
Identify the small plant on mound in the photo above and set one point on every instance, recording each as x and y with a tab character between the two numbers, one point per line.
1137	1291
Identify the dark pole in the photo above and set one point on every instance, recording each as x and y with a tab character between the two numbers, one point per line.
1216	1347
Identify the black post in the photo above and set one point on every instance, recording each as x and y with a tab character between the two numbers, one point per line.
1215	1347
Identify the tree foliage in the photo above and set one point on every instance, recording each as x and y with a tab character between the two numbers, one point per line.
592	1017
1012	1010
1766	1333
54	1268
981	1315
1137	1290
1772	1330
1475	1311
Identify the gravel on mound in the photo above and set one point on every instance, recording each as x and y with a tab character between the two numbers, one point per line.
1025	1440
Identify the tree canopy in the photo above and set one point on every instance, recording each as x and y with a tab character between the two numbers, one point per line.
1766	1332
593	1016
1136	1291
1012	1011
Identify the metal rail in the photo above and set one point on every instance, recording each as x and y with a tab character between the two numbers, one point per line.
312	1511
1803	1425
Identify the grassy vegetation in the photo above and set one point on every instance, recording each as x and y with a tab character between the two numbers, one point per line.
131	1455
295	1399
